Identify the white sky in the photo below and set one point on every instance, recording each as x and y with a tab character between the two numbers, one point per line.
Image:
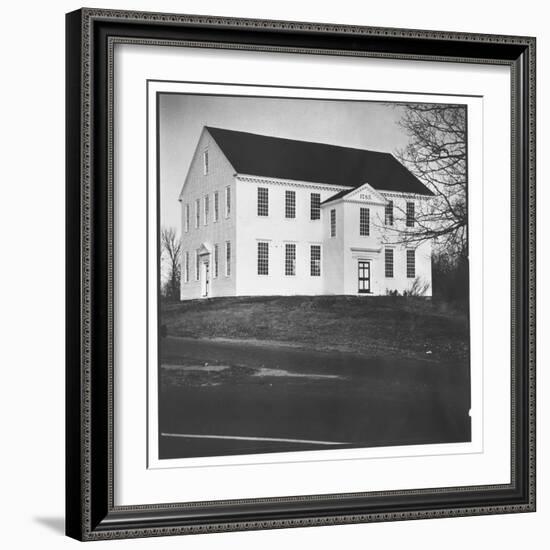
365	125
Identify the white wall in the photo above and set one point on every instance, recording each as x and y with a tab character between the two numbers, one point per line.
32	356
198	185
277	230
343	252
333	250
379	238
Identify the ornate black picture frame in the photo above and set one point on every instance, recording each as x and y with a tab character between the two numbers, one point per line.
90	510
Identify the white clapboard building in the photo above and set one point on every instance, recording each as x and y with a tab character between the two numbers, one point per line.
264	215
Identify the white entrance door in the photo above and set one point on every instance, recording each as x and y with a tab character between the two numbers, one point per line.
205	279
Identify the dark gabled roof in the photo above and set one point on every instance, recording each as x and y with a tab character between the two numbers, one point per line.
338	195
274	157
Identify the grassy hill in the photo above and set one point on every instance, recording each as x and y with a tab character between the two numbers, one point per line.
400	326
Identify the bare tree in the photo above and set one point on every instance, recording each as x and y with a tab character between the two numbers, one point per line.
437	155
171	257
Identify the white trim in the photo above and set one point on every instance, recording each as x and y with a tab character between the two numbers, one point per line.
377	198
294	183
403	195
359	249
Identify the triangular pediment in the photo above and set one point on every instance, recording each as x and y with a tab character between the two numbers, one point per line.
204	249
365	194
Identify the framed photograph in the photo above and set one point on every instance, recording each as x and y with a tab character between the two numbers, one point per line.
300	274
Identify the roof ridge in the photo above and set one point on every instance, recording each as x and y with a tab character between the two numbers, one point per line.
298	140
325	163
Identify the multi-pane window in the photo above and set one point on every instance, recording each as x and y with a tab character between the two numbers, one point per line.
290	204
205	162
197	271
333	222
315	260
364	222
227	258
263	258
216	260
388	262
263	201
290	259
389	213
410	264
206	209
315	206
216	206
227	201
410	214
197	213
186	218
186	278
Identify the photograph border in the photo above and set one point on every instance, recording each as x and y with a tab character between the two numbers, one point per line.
249	458
91	36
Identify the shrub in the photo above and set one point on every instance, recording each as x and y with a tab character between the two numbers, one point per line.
418	288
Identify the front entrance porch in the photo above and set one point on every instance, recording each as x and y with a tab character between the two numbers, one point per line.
205	271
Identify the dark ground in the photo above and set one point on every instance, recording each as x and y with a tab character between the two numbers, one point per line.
377	325
297	386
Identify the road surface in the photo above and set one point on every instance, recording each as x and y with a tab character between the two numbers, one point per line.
235	397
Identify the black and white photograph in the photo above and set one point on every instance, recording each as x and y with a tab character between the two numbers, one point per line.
300	276
313	274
